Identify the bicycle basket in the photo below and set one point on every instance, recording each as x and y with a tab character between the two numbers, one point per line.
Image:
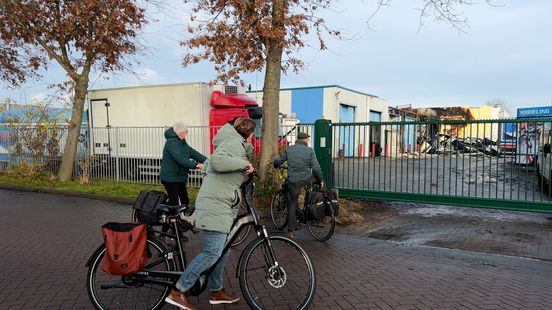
126	247
146	206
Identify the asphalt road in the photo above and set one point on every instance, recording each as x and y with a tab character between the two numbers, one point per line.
46	239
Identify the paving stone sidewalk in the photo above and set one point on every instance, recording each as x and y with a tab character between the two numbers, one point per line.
46	239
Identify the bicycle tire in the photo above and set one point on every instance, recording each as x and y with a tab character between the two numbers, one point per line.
279	210
322	230
136	297
293	279
245	231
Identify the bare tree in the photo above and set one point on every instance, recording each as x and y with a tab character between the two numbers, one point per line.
247	36
506	109
79	35
447	11
37	131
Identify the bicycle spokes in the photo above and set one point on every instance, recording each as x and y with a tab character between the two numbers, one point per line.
285	275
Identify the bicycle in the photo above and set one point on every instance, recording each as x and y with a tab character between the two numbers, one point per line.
321	229
268	261
185	224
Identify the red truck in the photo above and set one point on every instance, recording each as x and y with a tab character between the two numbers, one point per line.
228	107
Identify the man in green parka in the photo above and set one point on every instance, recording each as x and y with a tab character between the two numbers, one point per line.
217	206
178	159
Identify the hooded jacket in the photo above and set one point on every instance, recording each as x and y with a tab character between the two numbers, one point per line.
176	158
219	197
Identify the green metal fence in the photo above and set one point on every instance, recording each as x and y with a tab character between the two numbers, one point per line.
502	164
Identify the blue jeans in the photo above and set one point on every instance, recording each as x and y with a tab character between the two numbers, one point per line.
213	243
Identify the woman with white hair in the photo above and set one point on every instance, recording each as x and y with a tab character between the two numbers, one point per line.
178	159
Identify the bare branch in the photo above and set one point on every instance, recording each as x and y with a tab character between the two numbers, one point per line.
441	10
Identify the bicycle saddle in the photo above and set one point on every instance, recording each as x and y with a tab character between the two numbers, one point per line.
175	210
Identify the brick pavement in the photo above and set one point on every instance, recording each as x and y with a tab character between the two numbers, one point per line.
45	240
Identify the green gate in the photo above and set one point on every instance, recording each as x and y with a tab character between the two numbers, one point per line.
503	164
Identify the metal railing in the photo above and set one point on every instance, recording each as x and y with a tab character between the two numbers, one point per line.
128	154
495	163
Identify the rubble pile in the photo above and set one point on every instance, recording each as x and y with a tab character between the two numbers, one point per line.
447	144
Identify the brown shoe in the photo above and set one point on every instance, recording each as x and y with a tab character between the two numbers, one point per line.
221	297
179	299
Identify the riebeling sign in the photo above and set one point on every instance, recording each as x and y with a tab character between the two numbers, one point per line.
534	112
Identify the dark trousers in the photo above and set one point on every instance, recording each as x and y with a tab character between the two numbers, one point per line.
176	190
294	191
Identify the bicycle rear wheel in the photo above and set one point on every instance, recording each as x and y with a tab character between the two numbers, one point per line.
322	229
279	210
128	292
276	270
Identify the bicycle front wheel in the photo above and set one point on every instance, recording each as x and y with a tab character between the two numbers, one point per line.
128	292
279	210
323	228
276	274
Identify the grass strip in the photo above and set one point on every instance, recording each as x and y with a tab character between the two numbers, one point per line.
95	187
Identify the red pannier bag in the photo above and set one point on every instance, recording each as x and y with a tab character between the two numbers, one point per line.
125	245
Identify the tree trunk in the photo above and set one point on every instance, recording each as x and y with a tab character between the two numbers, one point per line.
70	150
271	96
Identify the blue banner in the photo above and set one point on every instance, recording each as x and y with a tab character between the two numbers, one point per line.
534	112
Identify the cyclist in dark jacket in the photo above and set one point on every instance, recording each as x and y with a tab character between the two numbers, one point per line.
178	159
303	169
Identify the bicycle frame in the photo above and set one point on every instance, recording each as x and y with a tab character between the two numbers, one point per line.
170	277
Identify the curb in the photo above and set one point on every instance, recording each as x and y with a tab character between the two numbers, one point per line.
120	200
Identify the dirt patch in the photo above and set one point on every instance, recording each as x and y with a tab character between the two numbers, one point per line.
493	231
357	216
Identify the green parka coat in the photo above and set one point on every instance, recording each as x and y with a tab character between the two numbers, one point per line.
219	196
176	158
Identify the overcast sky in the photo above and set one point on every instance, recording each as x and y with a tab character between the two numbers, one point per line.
504	54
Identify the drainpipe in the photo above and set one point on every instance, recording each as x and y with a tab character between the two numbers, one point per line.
200	94
202	115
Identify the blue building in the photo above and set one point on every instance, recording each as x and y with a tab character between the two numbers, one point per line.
338	104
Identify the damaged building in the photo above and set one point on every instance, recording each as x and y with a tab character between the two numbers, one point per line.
443	136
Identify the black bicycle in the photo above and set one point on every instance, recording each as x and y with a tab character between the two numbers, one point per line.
268	262
321	228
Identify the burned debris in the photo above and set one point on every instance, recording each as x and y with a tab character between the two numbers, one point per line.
455	138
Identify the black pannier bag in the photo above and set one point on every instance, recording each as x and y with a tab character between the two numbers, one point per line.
331	202
315	205
125	248
146	206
